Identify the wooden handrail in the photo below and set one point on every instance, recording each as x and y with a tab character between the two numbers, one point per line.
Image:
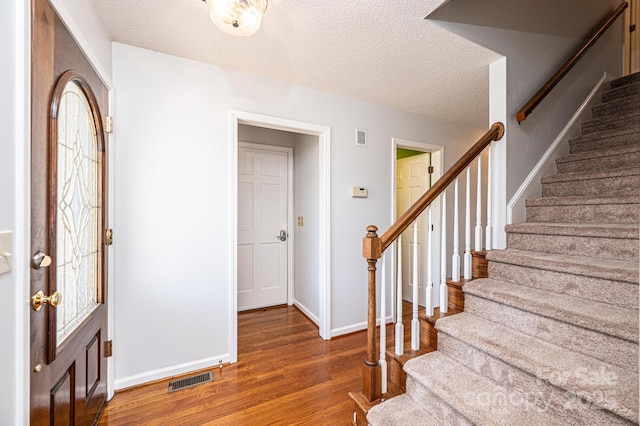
564	69
373	247
493	134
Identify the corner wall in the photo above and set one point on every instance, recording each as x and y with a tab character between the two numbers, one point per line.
172	180
536	38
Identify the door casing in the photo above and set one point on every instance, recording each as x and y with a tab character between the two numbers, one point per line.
437	161
324	236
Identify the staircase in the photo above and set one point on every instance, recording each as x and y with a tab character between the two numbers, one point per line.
551	336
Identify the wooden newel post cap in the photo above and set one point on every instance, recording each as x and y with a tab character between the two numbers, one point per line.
372	244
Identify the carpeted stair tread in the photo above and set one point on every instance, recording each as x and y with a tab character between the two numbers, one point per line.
608	269
629	135
604	318
626	80
597	230
616	392
583	200
584	209
468	392
599	154
619	105
596	174
612	121
616	181
400	410
621	92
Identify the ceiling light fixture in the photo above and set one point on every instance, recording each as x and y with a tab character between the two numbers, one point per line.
237	17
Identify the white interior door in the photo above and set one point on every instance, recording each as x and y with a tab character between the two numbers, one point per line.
262	227
412	180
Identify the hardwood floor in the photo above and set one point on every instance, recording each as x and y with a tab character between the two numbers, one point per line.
286	375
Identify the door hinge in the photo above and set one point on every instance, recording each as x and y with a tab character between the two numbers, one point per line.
108	124
108	237
430	169
108	348
632	28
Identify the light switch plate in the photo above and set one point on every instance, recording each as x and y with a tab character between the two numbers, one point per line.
6	248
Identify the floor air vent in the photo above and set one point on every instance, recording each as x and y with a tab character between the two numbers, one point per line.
189	382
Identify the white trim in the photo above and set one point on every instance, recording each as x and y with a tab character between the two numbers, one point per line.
306	311
174	370
111	265
340	331
324	242
532	186
22	234
290	224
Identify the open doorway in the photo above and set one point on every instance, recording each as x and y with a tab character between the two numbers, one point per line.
271	141
415	167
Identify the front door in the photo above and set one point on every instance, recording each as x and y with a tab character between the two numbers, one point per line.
262	227
68	188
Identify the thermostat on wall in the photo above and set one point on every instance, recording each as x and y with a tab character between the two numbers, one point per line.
359	192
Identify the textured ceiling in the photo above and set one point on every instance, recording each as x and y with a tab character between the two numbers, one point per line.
380	51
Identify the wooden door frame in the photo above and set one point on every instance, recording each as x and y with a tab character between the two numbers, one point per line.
437	161
324	228
22	234
290	223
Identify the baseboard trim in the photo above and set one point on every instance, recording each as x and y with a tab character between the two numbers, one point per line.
306	312
355	327
174	370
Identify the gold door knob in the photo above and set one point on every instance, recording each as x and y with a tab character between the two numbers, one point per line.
39	299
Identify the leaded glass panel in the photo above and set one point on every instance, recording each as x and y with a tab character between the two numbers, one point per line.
78	210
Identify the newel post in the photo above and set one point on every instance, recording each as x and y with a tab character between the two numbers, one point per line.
372	251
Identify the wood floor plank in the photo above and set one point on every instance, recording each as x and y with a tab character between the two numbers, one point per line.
286	375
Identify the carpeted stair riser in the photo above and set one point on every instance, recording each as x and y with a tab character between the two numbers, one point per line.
624	209
630	103
560	371
614	292
434	405
540	393
621	92
619	157
609	182
604	347
607	248
610	122
401	410
476	398
606	139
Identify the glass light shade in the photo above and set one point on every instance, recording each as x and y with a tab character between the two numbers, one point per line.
237	17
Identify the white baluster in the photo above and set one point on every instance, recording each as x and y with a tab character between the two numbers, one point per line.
399	325
444	302
478	241
415	323
489	231
467	229
383	329
429	290
455	259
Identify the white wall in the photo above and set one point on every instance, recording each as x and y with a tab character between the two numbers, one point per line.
306	291
172	182
9	391
536	38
